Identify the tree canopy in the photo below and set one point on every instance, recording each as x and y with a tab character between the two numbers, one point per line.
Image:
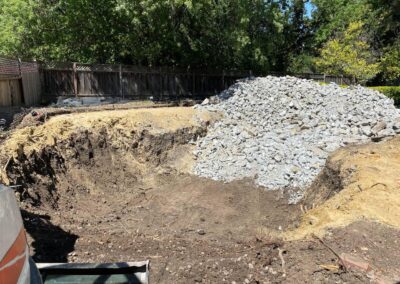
261	35
349	54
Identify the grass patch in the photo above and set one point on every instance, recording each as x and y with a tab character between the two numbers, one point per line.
324	84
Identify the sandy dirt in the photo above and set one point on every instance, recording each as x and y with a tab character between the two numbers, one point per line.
116	186
369	178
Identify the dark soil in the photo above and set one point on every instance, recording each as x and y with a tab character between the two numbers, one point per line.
196	230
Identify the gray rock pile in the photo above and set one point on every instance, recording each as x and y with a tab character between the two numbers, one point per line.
280	130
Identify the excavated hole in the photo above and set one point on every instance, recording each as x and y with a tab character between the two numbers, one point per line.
103	193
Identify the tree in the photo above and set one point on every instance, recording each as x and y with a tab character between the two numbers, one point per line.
220	34
334	16
14	15
390	62
385	21
349	54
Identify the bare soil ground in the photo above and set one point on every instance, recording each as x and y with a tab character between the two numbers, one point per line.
116	186
197	230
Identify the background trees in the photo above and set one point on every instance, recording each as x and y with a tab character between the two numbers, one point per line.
261	35
349	54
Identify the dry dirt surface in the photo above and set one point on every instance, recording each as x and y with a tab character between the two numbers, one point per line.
116	186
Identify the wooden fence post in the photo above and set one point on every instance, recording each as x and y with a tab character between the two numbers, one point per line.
19	67
324	78
75	81
21	81
121	93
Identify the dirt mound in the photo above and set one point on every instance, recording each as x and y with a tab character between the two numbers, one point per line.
358	182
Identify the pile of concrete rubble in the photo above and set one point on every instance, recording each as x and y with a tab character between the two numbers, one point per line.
280	130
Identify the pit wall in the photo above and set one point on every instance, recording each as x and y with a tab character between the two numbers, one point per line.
36	159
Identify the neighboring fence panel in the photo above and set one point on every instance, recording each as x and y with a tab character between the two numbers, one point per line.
31	83
58	82
97	80
19	83
31	88
10	92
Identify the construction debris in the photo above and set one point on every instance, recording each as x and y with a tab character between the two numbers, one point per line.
282	129
352	262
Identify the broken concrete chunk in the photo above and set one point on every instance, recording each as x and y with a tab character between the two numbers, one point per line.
295	124
351	262
379	127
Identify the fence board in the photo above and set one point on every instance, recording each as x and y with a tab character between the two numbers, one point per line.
10	93
5	93
31	88
20	83
58	82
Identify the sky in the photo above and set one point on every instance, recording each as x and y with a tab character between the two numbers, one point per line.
309	8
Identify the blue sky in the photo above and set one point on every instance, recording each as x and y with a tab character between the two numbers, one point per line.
309	8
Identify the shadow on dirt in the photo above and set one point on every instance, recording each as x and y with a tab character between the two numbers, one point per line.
50	242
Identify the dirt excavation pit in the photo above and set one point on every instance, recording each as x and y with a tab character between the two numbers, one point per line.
117	186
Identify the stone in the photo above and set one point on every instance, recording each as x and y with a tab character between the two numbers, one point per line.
205	102
352	262
281	130
396	124
366	131
379	127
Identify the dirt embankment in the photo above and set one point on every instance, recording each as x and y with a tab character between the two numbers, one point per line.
358	183
35	157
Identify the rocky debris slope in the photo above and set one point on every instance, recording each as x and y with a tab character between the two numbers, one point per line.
281	130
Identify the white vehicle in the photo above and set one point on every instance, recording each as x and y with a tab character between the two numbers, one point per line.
16	266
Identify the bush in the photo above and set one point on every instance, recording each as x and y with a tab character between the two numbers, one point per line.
391	92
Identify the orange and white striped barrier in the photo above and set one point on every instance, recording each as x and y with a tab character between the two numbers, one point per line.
14	251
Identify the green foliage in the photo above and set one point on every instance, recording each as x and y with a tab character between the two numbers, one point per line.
381	29
302	63
348	54
14	16
389	91
204	33
384	20
226	34
333	16
390	62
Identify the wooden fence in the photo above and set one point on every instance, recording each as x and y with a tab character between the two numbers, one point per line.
133	82
340	80
27	83
20	83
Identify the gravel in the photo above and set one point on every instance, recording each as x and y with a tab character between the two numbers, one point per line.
280	130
